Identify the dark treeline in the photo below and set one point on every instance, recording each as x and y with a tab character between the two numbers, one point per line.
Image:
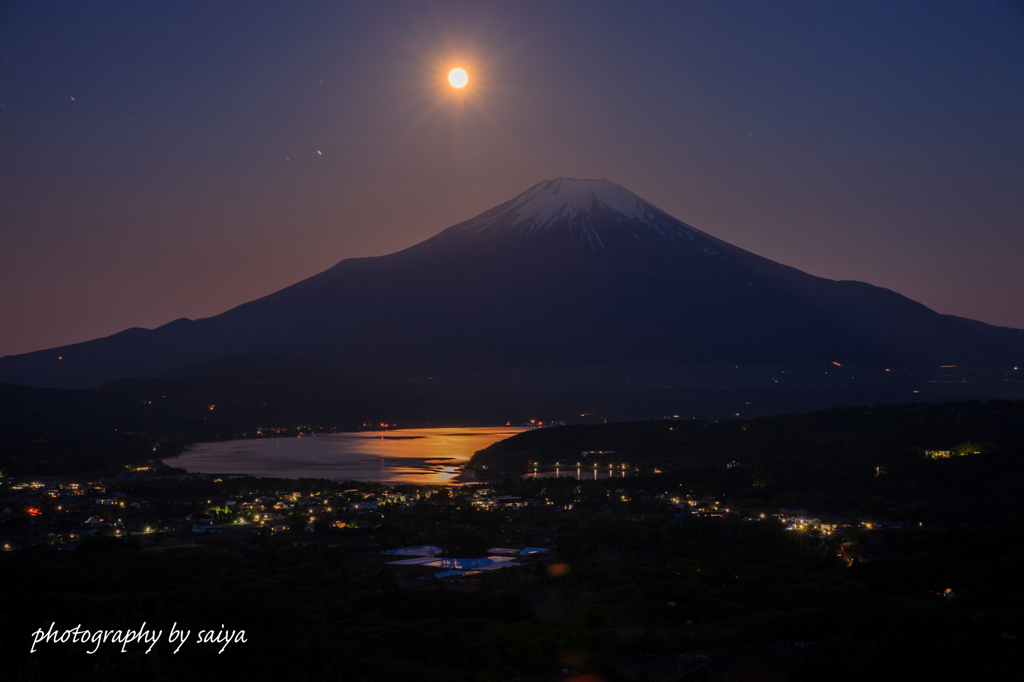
871	435
51	431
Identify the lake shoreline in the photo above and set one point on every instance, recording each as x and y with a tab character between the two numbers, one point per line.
435	456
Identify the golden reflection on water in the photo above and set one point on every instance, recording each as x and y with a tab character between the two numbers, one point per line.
411	456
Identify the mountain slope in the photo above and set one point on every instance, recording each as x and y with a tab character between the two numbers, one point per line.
569	273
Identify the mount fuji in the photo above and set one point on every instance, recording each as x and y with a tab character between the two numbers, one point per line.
565	287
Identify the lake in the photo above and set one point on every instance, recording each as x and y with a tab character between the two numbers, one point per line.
412	456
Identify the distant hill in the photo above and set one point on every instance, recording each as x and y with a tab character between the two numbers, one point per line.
852	438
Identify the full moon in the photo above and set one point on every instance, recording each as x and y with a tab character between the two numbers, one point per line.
458	78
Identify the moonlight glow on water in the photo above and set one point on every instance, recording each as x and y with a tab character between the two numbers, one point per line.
417	456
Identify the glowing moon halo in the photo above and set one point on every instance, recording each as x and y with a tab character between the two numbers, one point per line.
458	78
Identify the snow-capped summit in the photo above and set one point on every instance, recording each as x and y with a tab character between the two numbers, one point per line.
565	198
588	212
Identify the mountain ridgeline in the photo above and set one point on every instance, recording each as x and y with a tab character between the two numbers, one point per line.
571	286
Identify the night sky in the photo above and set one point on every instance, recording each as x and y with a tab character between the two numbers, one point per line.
165	160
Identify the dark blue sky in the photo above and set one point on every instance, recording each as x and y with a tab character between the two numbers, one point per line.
879	142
